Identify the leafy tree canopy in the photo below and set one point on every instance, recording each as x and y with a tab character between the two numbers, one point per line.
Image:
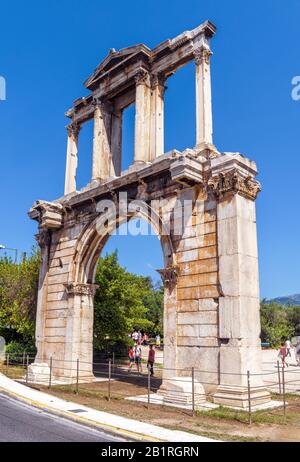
124	301
279	323
18	298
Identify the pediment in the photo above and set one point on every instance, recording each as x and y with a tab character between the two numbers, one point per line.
114	58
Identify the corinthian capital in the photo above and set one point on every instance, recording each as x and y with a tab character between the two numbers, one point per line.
73	129
81	289
202	55
142	78
169	276
233	182
158	80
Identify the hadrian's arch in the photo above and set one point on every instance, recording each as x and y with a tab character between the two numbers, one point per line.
201	203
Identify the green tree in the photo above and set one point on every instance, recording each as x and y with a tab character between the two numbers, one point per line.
154	302
293	316
118	305
275	325
18	298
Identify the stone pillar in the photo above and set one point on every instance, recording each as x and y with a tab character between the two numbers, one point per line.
101	142
157	117
79	332
142	118
71	163
116	144
43	239
169	278
239	310
204	127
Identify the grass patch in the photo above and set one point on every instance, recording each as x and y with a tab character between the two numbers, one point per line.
289	396
84	392
215	435
243	417
13	372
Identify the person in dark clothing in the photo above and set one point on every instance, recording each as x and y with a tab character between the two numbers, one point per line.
151	359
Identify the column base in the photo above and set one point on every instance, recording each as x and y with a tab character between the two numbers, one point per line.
39	373
207	150
237	397
179	391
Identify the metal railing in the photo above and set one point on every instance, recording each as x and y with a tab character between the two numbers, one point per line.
116	380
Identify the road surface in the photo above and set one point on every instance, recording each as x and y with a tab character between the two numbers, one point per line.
23	423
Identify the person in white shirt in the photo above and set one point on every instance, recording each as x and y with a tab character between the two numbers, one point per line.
288	348
135	336
138	357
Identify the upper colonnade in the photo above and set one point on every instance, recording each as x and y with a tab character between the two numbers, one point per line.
138	75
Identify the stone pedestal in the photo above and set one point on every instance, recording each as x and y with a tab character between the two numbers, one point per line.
39	373
238	397
179	391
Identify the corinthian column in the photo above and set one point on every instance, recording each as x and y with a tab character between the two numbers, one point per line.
101	142
157	117
71	163
116	144
142	118
204	127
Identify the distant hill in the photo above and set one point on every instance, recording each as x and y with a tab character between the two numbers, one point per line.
287	300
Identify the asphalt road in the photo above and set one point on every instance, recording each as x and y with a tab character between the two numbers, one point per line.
23	423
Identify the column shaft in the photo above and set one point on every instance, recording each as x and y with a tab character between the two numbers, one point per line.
116	145
239	321
157	120
142	119
71	162
101	143
203	98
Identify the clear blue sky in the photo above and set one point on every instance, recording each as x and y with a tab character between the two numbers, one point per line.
49	48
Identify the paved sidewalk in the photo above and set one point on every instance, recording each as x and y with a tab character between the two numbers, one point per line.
132	429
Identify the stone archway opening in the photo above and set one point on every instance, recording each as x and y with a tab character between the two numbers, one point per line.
140	253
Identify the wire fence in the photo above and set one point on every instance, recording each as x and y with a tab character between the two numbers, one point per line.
116	379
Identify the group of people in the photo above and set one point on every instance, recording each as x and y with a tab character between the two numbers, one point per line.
135	352
135	357
143	339
286	350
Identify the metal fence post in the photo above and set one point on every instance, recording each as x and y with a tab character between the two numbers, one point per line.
27	364
193	391
113	359
77	376
149	386
50	373
23	361
109	378
279	379
283	392
7	363
249	397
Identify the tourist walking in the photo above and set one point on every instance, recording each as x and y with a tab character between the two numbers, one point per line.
131	358
288	348
283	354
151	359
138	357
157	341
140	337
